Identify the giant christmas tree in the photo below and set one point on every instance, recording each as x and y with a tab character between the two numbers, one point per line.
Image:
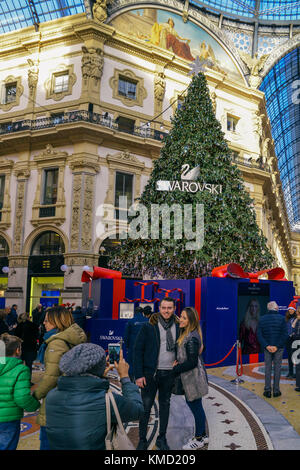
230	231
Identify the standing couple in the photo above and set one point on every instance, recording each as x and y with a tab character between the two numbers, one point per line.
168	348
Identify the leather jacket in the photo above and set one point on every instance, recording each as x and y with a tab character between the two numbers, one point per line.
192	350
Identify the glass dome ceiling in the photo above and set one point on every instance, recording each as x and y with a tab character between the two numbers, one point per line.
17	14
282	91
275	10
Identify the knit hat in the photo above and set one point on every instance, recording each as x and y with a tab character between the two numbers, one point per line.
272	306
84	358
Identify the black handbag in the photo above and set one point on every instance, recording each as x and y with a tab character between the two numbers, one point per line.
177	387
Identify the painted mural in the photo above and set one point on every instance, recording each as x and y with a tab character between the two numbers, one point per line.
167	30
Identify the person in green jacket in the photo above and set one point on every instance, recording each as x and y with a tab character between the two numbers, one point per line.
15	396
62	334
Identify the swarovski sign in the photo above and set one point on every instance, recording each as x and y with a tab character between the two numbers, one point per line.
188	183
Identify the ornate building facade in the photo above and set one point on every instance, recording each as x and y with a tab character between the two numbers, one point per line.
85	103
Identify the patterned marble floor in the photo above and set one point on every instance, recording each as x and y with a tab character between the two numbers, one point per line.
238	416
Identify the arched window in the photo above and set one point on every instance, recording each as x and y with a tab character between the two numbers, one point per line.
4	248
48	243
106	250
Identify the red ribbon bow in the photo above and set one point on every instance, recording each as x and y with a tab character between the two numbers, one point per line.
234	271
100	273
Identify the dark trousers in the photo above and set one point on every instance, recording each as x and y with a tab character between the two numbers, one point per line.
162	382
9	435
276	359
298	375
196	408
44	443
296	351
290	353
28	357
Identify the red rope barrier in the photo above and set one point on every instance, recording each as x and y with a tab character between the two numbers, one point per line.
216	363
239	371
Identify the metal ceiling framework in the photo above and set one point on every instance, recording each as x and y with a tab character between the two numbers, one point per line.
255	10
18	14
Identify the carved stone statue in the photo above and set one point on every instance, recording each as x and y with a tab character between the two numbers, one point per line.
33	74
265	149
255	65
258	123
92	63
213	98
159	86
100	10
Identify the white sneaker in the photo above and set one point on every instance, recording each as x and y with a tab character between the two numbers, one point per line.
194	444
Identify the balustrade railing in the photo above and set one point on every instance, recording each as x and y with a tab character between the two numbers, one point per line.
79	116
102	120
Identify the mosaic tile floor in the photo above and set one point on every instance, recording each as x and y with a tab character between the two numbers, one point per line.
239	417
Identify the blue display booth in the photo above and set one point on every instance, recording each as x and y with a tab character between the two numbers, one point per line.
228	307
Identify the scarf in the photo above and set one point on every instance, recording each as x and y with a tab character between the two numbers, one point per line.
167	325
42	350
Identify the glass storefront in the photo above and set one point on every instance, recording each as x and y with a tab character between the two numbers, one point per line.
45	291
3	287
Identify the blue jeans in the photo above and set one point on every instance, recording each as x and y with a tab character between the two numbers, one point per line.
199	416
9	435
44	443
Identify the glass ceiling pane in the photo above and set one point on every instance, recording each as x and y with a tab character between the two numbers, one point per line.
16	14
282	92
240	8
268	9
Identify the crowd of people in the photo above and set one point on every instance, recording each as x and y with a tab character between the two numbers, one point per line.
164	356
70	397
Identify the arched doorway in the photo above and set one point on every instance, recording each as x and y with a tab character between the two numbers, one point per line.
45	278
4	252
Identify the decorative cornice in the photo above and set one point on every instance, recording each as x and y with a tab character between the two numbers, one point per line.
49	154
6	165
126	158
21	170
83	163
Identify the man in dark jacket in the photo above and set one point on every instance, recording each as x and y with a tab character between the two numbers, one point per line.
154	355
38	315
12	318
132	328
272	335
79	317
75	409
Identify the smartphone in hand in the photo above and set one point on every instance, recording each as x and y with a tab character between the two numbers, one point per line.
114	352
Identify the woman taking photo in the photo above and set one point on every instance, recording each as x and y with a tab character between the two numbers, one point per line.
62	334
189	366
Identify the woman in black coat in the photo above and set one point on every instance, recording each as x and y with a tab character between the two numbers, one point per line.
29	333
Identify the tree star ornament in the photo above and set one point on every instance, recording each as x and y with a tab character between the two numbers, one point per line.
199	66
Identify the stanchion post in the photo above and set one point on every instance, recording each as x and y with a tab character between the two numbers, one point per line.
237	379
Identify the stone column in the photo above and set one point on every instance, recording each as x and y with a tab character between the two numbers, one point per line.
17	277
84	166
